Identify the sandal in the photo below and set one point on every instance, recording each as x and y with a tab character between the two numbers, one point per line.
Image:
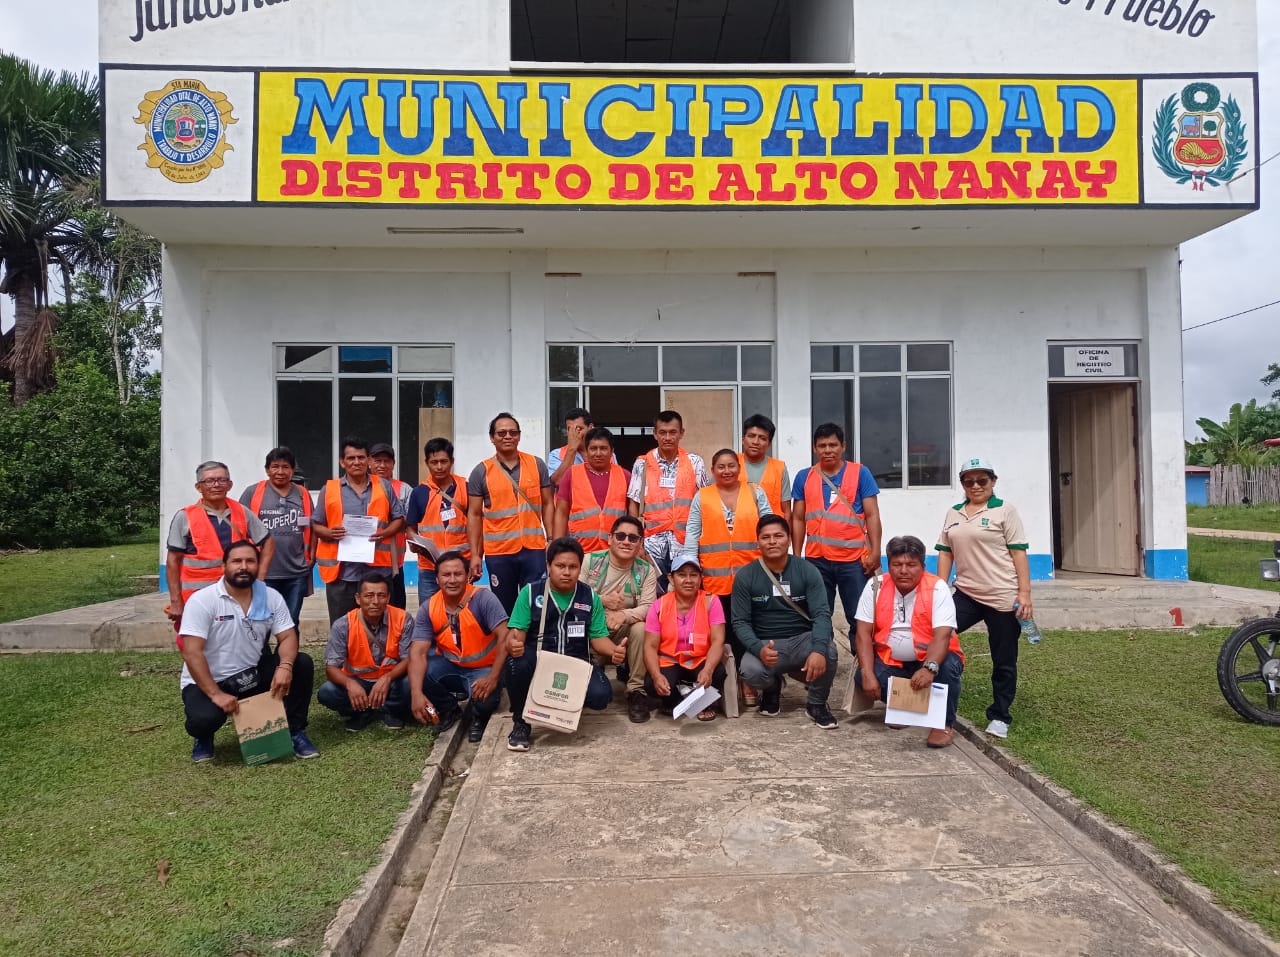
707	715
749	696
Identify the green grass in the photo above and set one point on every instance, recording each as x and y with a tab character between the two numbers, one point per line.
1228	561
1255	518
1134	725
34	583
93	797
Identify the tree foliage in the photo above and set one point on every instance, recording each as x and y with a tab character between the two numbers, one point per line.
1238	440
1272	378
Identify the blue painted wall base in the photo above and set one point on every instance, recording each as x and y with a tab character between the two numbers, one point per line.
1167	564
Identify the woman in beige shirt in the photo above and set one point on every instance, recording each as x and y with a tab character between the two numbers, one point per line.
983	538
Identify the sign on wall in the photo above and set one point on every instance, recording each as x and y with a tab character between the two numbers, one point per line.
1093	360
324	138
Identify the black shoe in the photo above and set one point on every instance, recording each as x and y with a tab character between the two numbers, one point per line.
637	707
518	740
821	716
447	721
771	700
476	729
358	721
624	674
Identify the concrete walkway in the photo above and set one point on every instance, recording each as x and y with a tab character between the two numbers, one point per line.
768	836
1236	533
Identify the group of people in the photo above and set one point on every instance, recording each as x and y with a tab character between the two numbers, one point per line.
661	571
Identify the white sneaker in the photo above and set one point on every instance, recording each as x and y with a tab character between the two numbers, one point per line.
998	729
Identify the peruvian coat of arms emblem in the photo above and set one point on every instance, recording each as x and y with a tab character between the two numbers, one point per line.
1199	138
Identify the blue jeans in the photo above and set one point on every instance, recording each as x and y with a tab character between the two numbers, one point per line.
293	590
850	579
426	584
445	676
948	674
335	698
518	675
509	573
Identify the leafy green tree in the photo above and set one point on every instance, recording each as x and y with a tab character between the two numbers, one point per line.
119	342
1271	378
50	145
1238	440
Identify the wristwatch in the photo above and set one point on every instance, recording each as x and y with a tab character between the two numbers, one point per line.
932	666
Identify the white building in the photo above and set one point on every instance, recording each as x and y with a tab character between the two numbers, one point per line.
952	227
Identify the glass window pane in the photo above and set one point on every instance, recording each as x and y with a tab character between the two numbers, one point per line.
929	431
880	429
700	364
620	364
562	401
562	363
304	358
831	358
831	400
364	409
304	422
757	363
426	359
756	400
880	358
364	359
929	357
426	411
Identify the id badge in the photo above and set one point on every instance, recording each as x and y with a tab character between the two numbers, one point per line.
447	515
786	589
575	629
667	481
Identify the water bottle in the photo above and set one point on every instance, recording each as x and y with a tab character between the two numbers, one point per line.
1030	630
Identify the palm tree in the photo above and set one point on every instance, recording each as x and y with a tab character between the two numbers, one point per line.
49	145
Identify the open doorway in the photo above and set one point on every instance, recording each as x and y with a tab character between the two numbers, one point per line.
628	412
1094	458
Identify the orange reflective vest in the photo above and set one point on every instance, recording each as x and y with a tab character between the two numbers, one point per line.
448	534
834	532
402	538
379	507
921	619
666	509
770	481
589	521
694	655
205	566
360	663
472	648
721	552
255	506
513	520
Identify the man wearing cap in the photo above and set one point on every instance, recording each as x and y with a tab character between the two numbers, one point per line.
382	462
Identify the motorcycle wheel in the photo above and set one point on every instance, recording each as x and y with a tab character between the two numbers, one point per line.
1249	670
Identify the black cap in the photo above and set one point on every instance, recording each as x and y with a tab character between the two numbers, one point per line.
382	448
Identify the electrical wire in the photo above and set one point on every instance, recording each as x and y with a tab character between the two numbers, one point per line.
1234	315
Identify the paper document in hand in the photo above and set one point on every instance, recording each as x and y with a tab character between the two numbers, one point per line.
935	717
355	546
699	699
426	544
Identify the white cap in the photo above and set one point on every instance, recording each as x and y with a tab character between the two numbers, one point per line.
685	558
977	465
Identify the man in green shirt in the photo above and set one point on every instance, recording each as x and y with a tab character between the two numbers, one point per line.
781	615
572	623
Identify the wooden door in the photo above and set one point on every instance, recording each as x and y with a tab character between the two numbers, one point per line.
1098	480
708	415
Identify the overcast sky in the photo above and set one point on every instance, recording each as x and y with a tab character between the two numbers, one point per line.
1231	269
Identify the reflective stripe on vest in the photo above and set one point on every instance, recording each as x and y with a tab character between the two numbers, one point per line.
379	507
590	522
451	535
255	506
474	648
402	537
770	480
833	531
205	566
360	663
510	522
669	652
721	552
921	620
662	510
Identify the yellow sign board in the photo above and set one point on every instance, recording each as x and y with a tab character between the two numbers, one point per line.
695	142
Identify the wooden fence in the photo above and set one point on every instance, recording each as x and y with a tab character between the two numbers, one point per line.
1232	484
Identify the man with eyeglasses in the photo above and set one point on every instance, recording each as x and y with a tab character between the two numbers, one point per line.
627	585
906	628
200	533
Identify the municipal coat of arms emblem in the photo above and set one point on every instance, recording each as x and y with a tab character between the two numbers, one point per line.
1198	138
186	126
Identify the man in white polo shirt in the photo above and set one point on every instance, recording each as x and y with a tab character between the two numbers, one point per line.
226	631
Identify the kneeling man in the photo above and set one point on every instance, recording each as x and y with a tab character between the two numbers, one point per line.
907	628
563	615
780	614
226	654
459	641
684	637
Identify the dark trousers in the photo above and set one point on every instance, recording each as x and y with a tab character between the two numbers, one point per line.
447	683
427	585
1003	632
293	591
340	596
509	573
518	675
204	717
676	674
793	653
731	639
335	698
948	674
849	579
398	597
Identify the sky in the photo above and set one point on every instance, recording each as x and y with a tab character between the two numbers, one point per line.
1232	269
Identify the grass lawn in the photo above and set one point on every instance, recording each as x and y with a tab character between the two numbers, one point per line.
1255	518
1134	725
1228	561
99	789
33	583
